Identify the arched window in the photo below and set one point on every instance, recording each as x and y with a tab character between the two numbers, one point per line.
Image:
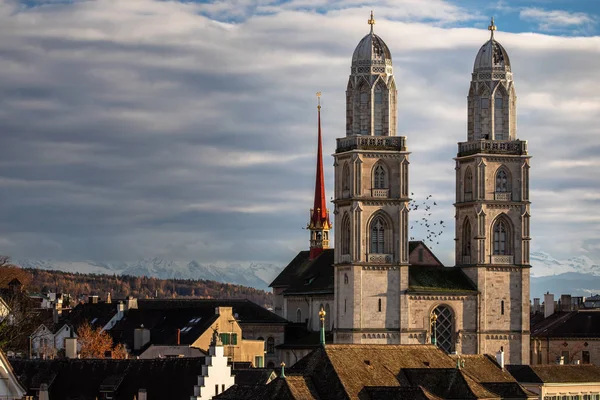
346	235
442	328
466	244
378	236
501	238
364	109
270	345
468	184
379	305
379	177
502	183
298	315
378	111
499	118
328	317
346	177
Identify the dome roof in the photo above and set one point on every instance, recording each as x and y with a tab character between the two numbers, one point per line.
492	56
371	48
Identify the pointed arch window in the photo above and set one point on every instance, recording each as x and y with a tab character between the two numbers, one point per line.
466	242
501	238
442	328
379	177
346	235
502	181
468	184
499	118
378	110
377	236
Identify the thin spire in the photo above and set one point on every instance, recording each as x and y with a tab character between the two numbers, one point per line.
371	22
492	28
319	219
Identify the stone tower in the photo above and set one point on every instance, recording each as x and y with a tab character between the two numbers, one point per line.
492	207
371	204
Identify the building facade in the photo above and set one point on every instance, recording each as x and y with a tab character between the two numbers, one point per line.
384	289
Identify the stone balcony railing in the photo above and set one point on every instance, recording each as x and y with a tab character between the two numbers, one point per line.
503	196
377	258
502	259
367	142
382	193
513	147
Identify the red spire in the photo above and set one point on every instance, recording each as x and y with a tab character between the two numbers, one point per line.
319	220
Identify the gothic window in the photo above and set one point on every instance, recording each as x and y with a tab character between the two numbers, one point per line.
346	235
442	328
468	184
499	118
270	345
378	111
345	279
466	245
364	111
502	184
378	236
379	177
298	315
501	238
346	178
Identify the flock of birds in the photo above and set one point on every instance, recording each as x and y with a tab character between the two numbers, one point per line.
433	228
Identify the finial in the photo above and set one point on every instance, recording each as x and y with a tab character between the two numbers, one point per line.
319	100
492	27
371	21
322	314
282	370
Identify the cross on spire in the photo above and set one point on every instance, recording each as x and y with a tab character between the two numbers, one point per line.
492	28
371	21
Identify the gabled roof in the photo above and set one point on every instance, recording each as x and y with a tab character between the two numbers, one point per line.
96	314
303	275
447	383
574	324
554	373
85	379
293	387
399	393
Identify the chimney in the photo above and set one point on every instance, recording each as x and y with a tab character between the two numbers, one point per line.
548	305
500	358
56	313
93	299
43	394
536	305
71	347
142	395
108	298
131	303
141	336
565	302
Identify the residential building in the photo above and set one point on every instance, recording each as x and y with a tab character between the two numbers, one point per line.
559	382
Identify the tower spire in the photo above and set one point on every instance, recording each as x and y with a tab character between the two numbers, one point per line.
371	21
492	28
319	224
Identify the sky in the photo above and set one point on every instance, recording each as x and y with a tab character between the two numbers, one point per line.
185	130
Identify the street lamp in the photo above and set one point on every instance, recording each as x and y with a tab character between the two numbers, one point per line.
433	323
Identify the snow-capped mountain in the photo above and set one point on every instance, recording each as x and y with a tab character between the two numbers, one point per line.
258	276
543	264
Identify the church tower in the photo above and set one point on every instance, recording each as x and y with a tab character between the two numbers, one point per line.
319	224
492	207
371	204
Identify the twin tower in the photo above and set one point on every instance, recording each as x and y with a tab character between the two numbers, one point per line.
375	297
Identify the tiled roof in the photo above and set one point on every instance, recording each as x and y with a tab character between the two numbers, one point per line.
84	379
554	373
399	393
439	280
574	324
447	383
484	368
96	314
290	388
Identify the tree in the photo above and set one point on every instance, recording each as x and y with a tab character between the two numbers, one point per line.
96	343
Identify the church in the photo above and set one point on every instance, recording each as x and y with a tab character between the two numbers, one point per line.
378	287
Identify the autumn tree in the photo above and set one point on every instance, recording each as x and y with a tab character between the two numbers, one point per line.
96	343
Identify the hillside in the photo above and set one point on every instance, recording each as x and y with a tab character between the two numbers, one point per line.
120	286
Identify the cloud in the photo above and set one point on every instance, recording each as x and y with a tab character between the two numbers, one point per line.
135	128
554	20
